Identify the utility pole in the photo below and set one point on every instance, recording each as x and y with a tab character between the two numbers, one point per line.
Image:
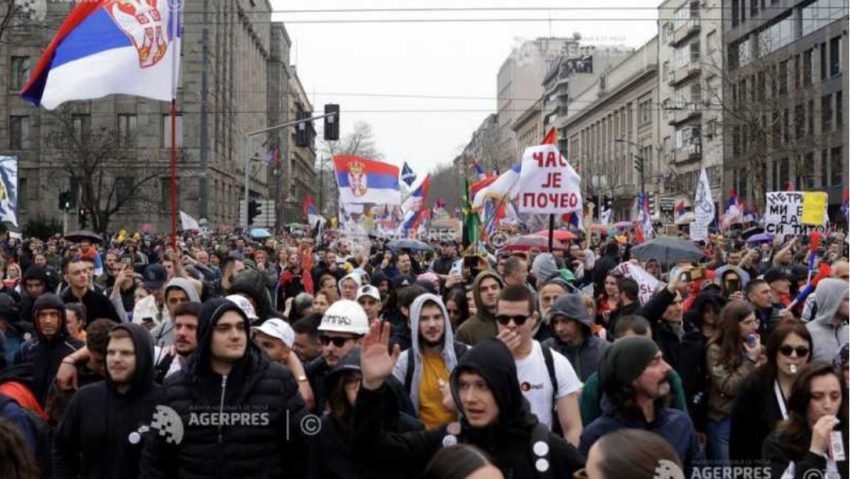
203	210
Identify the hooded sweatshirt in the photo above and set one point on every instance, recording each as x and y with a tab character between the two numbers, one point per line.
44	355
448	353
483	325
507	441
95	438
827	337
584	358
253	284
263	444
163	333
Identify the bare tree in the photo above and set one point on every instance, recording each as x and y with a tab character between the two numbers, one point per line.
447	185
10	12
111	180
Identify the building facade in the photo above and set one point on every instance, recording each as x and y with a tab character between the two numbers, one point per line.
690	88
611	122
482	147
301	161
528	128
788	86
234	80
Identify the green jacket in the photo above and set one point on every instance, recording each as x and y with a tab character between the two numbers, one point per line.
591	397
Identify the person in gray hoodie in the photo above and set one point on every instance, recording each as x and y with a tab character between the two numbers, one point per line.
829	328
177	292
571	336
431	359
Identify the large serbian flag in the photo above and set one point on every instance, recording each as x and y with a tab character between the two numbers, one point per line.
108	47
361	181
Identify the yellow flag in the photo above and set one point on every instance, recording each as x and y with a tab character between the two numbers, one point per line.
814	208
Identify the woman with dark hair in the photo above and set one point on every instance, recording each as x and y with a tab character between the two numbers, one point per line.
630	454
461	462
15	460
733	354
801	446
762	399
607	302
327	284
457	306
704	313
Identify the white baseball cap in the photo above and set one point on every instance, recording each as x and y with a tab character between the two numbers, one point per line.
345	316
244	305
279	329
370	291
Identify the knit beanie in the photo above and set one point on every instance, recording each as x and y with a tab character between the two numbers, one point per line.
544	267
625	361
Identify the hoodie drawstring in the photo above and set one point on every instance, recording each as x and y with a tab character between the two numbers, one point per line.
221	406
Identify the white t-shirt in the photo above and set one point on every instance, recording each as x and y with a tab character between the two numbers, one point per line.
537	387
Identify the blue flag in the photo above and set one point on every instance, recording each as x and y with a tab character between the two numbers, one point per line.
407	174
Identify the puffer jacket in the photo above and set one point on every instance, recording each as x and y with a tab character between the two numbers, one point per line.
265	443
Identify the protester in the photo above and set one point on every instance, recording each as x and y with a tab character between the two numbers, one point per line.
461	462
829	328
171	360
177	291
482	325
631	453
369	298
572	337
15	461
77	274
307	344
456	306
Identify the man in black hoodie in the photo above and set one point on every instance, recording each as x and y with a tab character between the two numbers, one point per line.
52	343
99	436
240	412
495	416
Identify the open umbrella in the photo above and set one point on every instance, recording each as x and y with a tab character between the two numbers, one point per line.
760	238
409	244
669	249
260	233
560	235
83	235
527	242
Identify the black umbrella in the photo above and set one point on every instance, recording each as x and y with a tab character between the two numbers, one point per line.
669	249
409	244
83	235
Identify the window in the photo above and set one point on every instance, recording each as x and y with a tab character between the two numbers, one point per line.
808	71
736	140
166	131
761	86
835	164
711	41
735	7
18	132
809	164
776	36
665	71
744	56
783	77
799	121
823	61
681	56
826	113
20	72
839	107
797	72
695	93
786	125
126	129
810	118
783	173
123	188
754	7
835	57
165	188
821	13
22	194
82	126
824	168
645	112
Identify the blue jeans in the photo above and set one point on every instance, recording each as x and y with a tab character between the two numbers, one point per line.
718	440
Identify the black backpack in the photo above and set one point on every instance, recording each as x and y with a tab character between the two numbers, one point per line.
43	436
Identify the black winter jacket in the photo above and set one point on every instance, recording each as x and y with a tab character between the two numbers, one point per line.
754	416
779	454
508	442
94	438
258	398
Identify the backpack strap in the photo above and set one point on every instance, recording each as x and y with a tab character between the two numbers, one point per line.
408	374
540	449
550	368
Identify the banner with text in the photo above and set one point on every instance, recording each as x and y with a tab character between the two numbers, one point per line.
647	283
784	214
548	184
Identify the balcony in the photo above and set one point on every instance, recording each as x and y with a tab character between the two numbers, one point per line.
686	72
688	153
686	29
690	111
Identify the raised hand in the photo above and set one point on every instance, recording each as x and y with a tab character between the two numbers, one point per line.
376	361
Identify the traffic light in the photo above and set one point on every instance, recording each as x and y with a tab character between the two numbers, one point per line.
331	122
639	164
303	130
253	210
65	202
83	218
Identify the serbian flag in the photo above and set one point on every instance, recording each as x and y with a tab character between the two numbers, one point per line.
362	181
680	210
551	137
108	47
416	200
479	171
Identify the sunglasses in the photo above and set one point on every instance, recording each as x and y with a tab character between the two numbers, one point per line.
505	319
337	341
801	351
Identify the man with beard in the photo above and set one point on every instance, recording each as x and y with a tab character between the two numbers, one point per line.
99	436
486	288
635	379
171	360
448	255
424	369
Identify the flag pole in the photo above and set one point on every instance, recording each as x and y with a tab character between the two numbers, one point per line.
176	43
551	231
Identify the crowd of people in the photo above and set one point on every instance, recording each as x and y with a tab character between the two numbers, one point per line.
226	356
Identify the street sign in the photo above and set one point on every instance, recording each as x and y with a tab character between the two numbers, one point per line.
667	204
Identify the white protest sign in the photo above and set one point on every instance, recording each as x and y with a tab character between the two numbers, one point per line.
784	213
548	183
646	282
703	201
188	222
698	231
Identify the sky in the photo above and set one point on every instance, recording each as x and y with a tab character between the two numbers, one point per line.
353	63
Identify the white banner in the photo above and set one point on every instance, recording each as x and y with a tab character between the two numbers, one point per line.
703	202
784	213
548	184
9	193
646	282
188	222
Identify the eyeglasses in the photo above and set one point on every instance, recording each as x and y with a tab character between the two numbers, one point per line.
801	351
504	319
337	341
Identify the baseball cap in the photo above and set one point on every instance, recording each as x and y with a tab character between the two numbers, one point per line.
155	275
278	329
245	305
370	291
345	316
